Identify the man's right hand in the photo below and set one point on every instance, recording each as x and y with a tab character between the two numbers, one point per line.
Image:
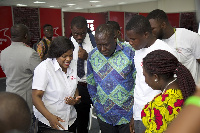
131	125
82	54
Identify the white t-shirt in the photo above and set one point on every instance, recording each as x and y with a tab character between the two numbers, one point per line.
187	45
143	93
49	77
87	45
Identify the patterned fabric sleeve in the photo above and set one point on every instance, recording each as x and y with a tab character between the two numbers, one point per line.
40	49
91	82
158	114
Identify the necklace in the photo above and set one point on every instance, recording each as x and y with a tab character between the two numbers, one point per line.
168	85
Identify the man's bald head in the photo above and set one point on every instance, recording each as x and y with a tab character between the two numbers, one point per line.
14	113
20	33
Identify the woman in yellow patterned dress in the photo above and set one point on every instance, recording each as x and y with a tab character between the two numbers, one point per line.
164	72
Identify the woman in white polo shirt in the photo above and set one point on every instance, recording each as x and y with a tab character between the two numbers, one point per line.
55	88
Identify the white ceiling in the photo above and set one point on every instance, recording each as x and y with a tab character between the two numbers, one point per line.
79	4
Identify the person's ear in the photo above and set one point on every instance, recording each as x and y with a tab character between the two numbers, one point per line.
118	33
156	78
26	35
163	25
146	34
115	38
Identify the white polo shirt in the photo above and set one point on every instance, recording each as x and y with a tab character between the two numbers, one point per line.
49	77
187	45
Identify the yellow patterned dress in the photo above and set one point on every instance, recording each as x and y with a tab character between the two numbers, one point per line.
158	114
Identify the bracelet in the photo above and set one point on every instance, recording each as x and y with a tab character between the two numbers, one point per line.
193	100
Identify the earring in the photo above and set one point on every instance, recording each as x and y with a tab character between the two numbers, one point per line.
156	80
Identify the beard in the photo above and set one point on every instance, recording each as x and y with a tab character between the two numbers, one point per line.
160	35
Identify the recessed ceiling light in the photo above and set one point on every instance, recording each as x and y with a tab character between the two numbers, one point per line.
78	8
51	6
71	4
94	1
21	5
121	3
99	5
39	2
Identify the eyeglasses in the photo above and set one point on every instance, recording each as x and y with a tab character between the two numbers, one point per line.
81	34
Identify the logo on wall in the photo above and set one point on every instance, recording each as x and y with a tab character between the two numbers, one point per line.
55	30
4	39
91	25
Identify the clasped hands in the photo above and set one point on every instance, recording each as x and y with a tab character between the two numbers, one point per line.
72	100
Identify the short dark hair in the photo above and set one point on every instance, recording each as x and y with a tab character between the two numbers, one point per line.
18	32
47	25
114	24
59	46
79	21
15	113
158	15
106	29
139	24
165	64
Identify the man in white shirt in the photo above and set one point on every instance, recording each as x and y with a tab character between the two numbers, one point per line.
83	45
184	41
142	40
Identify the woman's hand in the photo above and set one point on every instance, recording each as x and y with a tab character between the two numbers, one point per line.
54	122
72	101
37	101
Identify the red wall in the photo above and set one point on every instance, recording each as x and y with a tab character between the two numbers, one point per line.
52	17
6	23
174	19
118	17
47	15
99	18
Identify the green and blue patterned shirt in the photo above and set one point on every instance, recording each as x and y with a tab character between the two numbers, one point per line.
111	82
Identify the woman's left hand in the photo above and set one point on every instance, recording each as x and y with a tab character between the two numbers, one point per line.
72	101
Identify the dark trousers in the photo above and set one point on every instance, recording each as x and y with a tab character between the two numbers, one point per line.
33	126
139	126
43	128
83	108
108	128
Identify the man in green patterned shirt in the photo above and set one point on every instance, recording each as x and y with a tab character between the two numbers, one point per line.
111	80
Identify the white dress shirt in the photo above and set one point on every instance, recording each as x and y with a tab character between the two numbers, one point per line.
87	45
49	77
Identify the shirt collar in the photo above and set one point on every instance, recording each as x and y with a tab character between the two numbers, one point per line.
57	67
119	46
47	40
